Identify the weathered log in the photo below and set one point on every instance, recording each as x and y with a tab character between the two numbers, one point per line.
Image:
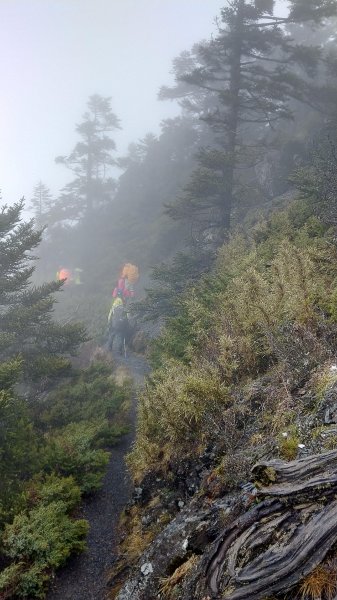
295	471
270	548
224	542
312	489
280	567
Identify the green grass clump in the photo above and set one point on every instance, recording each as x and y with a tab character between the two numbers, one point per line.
289	447
180	409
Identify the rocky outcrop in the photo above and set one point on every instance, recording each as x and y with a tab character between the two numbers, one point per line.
194	528
235	540
268	545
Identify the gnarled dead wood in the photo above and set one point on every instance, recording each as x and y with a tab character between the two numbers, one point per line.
270	548
295	471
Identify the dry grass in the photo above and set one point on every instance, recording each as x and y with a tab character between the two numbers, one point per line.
321	584
138	538
137	541
168	583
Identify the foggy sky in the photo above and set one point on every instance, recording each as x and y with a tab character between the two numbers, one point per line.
56	53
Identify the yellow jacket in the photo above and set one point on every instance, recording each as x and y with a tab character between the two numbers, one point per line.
117	302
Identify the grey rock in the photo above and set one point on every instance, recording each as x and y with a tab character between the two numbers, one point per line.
146	569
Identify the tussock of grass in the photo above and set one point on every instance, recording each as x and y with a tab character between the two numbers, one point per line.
321	583
168	583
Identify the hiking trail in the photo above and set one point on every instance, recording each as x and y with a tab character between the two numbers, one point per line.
84	576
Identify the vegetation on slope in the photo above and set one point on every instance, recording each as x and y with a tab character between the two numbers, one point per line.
244	370
57	423
277	281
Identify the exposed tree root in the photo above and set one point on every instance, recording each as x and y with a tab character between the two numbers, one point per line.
273	546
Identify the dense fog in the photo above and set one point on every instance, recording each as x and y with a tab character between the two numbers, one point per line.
168	299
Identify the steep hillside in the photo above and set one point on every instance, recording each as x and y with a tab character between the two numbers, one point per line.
245	375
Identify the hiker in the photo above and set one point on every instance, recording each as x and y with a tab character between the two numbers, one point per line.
131	275
118	301
126	282
64	274
119	288
131	272
118	324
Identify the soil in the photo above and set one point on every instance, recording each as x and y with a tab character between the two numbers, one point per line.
84	576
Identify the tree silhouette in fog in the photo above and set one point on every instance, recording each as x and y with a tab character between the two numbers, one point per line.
251	71
90	160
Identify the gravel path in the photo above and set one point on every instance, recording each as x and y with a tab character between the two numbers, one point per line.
84	576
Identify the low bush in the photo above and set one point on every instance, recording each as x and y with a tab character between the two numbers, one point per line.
72	451
41	538
44	489
91	394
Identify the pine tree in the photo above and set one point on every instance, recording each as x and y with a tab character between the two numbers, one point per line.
252	68
91	161
243	84
41	203
27	328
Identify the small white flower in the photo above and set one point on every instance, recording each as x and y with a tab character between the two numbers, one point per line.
284	434
301	446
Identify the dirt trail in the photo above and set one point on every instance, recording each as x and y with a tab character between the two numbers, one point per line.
84	576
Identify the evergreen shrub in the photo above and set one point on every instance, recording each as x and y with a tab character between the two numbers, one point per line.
39	542
41	537
90	394
71	451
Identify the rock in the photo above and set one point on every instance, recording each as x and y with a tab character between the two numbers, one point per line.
261	553
146	569
193	527
185	544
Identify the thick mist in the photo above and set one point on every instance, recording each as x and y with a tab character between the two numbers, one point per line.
55	54
168	317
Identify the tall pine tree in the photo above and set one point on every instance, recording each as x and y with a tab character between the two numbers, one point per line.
252	68
41	204
244	84
91	161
